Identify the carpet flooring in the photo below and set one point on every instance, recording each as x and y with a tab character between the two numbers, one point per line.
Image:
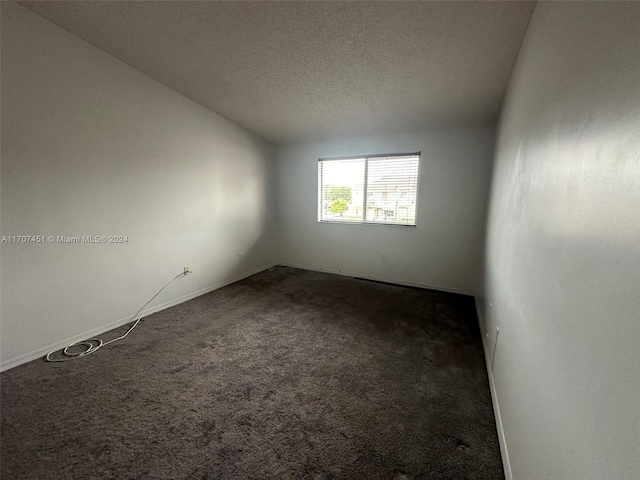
286	374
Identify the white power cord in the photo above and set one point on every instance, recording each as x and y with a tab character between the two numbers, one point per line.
94	344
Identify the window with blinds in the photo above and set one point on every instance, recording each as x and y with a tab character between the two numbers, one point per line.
373	189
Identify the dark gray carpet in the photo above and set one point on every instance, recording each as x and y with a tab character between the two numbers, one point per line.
287	374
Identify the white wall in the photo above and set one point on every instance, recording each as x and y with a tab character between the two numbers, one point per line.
563	256
91	146
445	250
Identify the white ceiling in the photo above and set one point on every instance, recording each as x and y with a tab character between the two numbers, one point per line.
295	71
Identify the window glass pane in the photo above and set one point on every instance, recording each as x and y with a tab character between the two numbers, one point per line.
392	190
341	189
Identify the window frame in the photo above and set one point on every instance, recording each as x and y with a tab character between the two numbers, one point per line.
365	186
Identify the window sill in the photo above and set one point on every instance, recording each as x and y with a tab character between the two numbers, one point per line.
378	224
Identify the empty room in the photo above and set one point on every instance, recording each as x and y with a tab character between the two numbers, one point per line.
320	240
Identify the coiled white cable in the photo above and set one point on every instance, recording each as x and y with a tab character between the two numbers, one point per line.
94	344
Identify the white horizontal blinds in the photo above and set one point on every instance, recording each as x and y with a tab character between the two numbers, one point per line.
392	189
376	189
341	190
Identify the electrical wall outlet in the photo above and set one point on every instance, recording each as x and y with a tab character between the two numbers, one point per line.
383	257
239	254
186	271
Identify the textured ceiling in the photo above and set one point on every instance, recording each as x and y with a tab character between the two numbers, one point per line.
294	71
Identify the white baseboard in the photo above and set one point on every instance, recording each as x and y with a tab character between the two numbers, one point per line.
494	398
41	352
376	277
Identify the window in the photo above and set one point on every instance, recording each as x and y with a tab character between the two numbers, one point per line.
374	189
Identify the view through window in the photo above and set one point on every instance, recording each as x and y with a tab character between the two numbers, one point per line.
377	189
